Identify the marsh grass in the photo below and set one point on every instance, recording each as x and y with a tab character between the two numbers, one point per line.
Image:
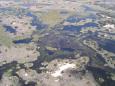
4	38
51	18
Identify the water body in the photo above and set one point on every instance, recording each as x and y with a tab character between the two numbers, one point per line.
50	52
92	16
12	66
31	15
87	8
35	21
78	28
101	73
74	19
108	45
68	49
9	29
23	41
6	67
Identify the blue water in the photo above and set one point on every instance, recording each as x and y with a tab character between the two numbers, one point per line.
91	16
109	45
36	22
23	41
102	73
9	29
68	49
50	52
74	19
87	8
78	28
31	15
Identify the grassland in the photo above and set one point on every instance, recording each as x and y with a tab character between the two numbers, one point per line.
4	38
51	18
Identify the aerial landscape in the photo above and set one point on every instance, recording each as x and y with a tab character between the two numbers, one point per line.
57	42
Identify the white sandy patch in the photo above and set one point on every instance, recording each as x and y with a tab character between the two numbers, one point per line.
26	74
109	26
57	73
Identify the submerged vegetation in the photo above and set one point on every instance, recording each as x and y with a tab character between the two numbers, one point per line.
45	46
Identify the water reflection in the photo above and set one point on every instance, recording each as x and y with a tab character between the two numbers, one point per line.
23	41
9	29
103	74
79	27
108	45
36	22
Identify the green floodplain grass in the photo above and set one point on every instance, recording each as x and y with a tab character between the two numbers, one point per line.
4	38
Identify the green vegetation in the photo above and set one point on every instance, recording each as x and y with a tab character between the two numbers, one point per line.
86	29
36	37
8	72
19	38
82	22
51	48
45	56
4	38
51	18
